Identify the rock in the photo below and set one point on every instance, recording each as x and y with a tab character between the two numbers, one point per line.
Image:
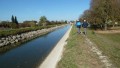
22	38
5	42
12	42
16	40
3	38
0	41
7	39
1	44
14	37
18	36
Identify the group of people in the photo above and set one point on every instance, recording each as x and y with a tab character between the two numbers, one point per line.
79	25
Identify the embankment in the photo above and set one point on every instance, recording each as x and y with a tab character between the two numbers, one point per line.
9	40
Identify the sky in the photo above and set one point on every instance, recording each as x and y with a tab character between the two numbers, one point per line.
34	9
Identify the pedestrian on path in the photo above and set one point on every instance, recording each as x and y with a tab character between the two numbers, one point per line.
78	25
85	25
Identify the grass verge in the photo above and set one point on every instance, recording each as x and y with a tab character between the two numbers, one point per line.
109	44
77	53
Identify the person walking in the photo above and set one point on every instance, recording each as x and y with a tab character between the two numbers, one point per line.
78	25
85	25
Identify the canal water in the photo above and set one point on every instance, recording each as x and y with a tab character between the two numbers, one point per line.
32	53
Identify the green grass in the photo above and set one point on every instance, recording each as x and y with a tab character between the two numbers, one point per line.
109	44
4	33
77	53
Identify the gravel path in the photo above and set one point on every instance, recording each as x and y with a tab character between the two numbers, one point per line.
104	59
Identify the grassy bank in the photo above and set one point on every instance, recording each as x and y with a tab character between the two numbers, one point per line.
109	44
77	53
4	33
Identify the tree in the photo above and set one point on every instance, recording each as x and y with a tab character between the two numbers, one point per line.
115	11
103	11
43	20
12	19
29	23
4	24
16	21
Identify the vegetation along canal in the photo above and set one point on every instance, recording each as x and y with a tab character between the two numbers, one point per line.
32	53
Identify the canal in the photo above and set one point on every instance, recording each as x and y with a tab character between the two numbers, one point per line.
32	53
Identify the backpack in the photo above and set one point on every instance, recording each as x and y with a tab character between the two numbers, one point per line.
78	23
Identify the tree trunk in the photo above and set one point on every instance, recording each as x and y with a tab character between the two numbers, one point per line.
113	25
44	24
106	23
105	26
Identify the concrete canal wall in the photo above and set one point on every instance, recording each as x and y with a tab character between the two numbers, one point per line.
55	55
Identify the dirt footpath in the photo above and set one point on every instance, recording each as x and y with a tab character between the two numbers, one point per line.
108	31
104	59
55	55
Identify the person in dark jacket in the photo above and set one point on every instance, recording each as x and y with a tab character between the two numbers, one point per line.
85	25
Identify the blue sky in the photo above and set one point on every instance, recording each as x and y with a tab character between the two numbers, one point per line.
34	9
